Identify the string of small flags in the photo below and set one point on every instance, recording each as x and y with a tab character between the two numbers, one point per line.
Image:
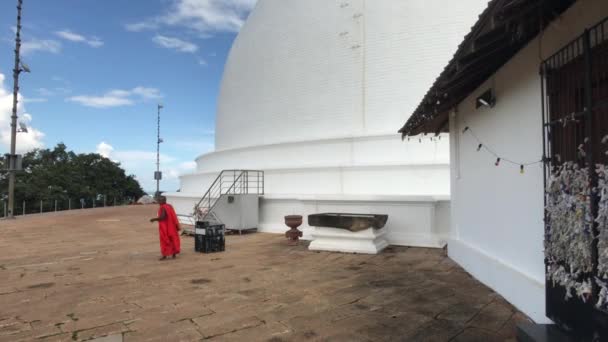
499	159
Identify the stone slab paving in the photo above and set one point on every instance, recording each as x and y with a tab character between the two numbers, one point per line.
94	275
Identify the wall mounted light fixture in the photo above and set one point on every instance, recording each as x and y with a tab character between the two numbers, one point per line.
487	99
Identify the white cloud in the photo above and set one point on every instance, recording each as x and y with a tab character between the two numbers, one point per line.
34	99
175	44
117	97
45	92
137	156
147	93
188	166
25	141
142	164
202	145
141	26
71	36
119	93
210	15
78	38
173	172
45	45
204	16
104	101
104	149
202	62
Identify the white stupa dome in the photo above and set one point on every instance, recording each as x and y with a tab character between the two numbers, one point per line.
313	94
319	69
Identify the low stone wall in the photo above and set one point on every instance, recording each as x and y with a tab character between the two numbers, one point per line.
419	221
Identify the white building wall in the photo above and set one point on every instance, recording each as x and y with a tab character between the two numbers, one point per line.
497	213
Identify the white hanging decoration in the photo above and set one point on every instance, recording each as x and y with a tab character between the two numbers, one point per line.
558	158
581	151
602	222
602	302
569	230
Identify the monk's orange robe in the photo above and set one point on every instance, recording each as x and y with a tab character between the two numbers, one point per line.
168	231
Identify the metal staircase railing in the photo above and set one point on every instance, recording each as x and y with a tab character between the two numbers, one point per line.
228	182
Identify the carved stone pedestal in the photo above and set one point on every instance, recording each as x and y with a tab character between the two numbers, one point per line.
368	241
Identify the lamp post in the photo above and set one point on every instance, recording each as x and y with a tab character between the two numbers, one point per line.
158	175
13	158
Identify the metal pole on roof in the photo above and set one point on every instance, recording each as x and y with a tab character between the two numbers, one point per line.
158	174
12	163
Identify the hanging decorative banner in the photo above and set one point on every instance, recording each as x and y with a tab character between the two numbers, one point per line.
569	230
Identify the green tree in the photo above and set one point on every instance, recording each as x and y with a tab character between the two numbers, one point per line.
62	175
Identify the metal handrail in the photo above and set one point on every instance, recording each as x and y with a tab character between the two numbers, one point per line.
209	190
239	181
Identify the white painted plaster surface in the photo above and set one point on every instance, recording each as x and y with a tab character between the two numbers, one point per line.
497	227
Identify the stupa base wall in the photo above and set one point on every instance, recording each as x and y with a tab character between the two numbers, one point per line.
417	221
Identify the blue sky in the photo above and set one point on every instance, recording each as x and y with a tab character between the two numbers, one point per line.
99	68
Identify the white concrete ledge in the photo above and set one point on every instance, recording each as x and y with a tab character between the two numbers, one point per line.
359	198
335	197
325	140
310	167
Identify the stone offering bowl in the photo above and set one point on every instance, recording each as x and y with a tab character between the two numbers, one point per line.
293	235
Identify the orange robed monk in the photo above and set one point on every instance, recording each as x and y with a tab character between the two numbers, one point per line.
168	228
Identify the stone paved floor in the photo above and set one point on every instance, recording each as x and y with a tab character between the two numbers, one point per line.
94	273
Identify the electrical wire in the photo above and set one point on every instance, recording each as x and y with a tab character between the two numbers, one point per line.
493	152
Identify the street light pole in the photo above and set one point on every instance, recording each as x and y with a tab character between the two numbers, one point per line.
158	174
16	71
